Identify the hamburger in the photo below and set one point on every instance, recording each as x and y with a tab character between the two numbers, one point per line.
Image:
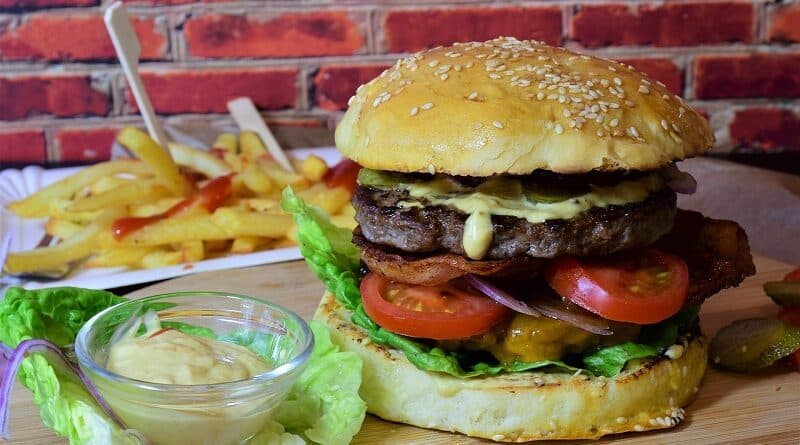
524	271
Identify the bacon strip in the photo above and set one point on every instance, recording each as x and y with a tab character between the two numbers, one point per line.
716	251
438	269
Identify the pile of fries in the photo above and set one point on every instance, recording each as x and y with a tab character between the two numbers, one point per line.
85	209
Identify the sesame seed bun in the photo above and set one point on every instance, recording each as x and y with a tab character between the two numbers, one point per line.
523	406
511	107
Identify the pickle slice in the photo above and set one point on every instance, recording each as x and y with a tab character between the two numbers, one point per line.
784	293
550	193
755	343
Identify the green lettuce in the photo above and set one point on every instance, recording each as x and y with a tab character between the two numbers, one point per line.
326	394
332	256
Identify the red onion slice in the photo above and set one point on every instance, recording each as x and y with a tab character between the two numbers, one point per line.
547	307
500	296
10	364
575	316
679	181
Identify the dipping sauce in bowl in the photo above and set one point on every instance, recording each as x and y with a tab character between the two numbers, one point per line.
196	368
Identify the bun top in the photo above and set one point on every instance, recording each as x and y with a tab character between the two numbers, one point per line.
511	107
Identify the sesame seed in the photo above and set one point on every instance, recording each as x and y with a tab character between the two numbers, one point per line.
618	81
468	65
473	95
431	169
600	133
540	96
633	131
681	111
494	76
645	81
562	99
443	76
613	105
629	104
567	113
572	123
559	129
611	68
413	111
621	419
652	422
497	124
427	105
377	102
675	127
614	122
433	63
643	89
457	68
664	124
477	126
638	427
665	96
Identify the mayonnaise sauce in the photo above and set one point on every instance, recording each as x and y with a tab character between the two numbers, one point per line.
169	356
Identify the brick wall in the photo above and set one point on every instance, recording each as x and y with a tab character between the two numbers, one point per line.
62	96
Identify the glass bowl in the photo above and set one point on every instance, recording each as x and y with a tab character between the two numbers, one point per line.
215	414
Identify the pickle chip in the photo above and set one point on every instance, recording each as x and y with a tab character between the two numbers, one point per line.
784	293
755	343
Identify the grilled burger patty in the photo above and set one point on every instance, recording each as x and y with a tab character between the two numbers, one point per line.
428	229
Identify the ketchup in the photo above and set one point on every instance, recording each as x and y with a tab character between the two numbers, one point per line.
344	174
211	196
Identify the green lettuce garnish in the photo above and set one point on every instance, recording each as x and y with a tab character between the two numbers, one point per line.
329	410
332	256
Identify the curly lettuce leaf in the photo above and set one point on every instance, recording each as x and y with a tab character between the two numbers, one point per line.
57	314
611	360
324	405
332	256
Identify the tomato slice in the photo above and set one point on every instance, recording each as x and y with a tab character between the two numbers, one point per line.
344	174
640	287
446	312
793	275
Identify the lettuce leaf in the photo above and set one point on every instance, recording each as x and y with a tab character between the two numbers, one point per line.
57	314
332	256
329	384
324	401
652	340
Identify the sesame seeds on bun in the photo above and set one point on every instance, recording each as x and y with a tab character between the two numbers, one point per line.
508	106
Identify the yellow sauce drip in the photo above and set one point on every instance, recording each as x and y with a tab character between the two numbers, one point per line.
478	234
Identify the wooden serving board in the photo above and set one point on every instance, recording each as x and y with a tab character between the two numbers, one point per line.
729	409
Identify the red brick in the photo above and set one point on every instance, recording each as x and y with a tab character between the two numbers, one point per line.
669	24
335	84
766	128
61	95
325	33
747	75
663	70
75	37
22	146
85	144
784	24
36	4
413	30
208	91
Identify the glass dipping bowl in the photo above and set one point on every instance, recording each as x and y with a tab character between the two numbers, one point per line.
216	414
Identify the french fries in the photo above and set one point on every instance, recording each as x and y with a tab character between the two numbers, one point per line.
155	157
182	225
38	204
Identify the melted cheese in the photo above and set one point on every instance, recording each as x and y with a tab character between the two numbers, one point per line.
505	196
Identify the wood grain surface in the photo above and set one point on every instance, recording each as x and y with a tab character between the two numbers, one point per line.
729	409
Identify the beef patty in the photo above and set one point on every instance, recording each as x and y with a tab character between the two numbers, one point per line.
597	231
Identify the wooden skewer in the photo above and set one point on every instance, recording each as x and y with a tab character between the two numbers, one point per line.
246	115
128	49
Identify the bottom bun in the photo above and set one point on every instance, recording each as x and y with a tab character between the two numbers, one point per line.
525	406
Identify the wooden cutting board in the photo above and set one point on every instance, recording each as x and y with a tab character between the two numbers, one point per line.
729	409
